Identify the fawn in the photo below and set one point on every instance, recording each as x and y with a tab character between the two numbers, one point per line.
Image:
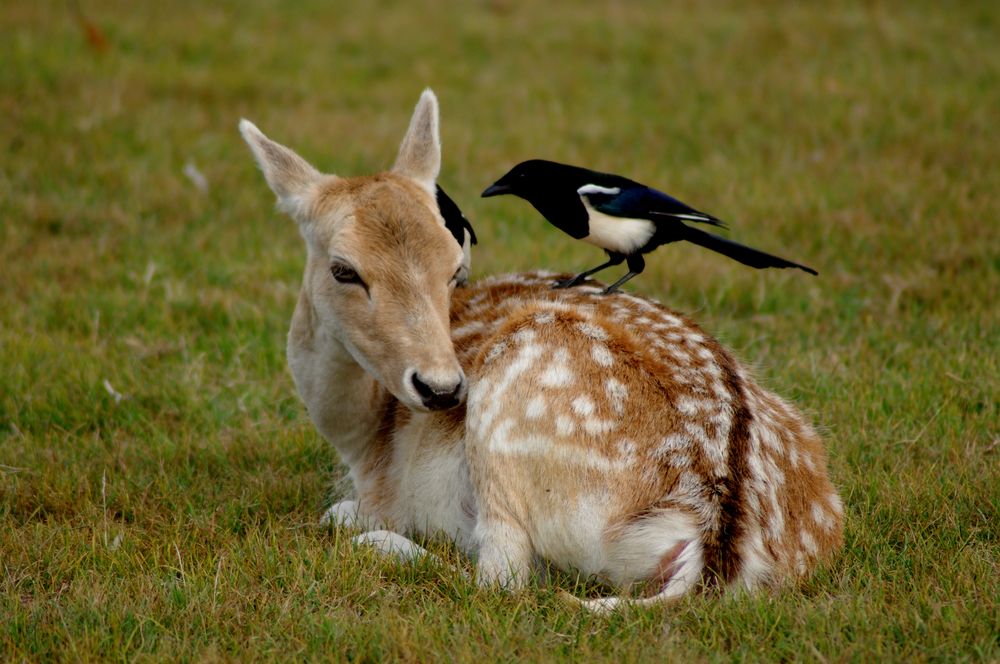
605	434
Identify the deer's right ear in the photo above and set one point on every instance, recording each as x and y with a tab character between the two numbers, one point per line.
289	175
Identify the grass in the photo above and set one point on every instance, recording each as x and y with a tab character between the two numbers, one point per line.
159	479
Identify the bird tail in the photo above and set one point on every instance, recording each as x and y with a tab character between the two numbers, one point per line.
739	252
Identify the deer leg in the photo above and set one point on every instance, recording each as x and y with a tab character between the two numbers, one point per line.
348	514
393	545
506	556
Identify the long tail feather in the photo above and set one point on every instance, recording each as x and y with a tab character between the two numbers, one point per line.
740	252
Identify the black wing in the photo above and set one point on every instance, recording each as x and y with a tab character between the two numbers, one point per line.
642	202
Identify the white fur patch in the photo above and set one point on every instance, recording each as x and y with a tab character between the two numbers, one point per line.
536	407
525	335
601	354
583	405
617	393
556	375
596	426
565	426
808	542
821	517
592	331
469	328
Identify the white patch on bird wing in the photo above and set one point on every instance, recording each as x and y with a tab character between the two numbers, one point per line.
692	217
595	189
621	234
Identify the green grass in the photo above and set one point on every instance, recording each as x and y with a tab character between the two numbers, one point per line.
178	522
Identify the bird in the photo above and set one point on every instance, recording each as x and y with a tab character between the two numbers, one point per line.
623	217
454	220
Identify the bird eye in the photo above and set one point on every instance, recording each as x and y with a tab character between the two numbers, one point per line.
345	274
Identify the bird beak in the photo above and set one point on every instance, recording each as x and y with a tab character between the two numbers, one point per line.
496	190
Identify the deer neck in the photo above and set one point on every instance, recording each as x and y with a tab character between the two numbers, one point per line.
341	397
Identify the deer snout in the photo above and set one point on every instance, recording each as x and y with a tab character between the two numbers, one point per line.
438	393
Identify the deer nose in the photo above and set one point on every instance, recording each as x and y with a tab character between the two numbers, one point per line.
439	396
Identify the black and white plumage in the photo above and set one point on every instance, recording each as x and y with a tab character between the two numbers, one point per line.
623	217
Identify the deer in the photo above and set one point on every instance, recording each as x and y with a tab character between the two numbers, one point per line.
605	435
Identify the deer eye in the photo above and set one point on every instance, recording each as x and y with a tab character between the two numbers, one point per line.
460	276
346	275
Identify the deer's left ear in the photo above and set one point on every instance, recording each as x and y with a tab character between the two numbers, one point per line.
420	153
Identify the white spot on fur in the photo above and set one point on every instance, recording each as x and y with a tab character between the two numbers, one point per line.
565	426
596	426
617	393
592	331
756	563
821	517
808	542
525	335
626	448
769	437
495	352
583	405
551	452
545	317
673	443
776	524
836	504
469	328
689	406
679	355
601	355
536	407
556	375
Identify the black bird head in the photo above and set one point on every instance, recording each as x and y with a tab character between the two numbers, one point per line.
537	177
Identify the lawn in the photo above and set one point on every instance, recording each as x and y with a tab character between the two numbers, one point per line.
160	482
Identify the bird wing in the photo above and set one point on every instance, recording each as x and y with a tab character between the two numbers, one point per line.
454	220
739	252
643	202
568	214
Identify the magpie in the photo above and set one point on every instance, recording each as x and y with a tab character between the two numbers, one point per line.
454	220
458	225
624	218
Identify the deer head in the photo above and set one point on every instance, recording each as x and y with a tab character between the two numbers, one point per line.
381	265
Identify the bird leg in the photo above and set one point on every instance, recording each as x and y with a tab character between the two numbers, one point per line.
613	259
636	264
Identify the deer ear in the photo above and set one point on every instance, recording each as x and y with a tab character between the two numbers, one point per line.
420	153
289	175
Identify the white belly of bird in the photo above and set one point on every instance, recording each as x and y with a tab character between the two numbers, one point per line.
621	234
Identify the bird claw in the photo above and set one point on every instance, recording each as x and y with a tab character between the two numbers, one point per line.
566	283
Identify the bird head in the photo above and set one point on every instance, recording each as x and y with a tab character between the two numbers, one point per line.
530	179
